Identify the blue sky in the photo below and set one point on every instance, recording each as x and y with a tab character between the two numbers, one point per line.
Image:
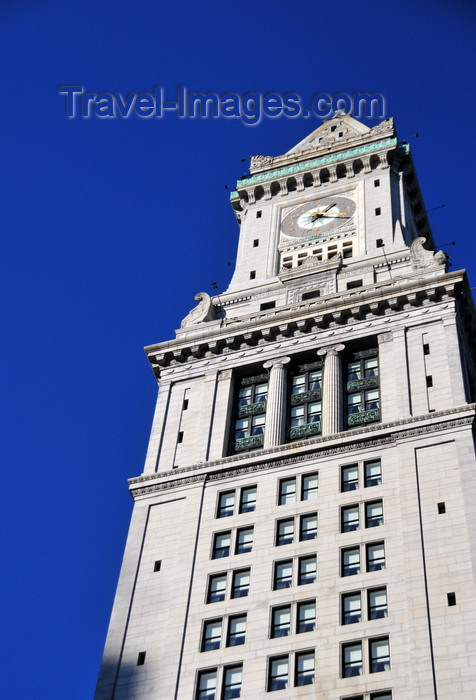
110	226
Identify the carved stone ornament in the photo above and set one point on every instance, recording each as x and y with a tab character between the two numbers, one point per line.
240	214
205	311
423	259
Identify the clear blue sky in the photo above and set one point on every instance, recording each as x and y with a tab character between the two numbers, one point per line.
110	226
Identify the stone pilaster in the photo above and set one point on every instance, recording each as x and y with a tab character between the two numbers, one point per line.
332	394
276	402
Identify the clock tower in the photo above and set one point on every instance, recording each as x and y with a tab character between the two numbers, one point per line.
303	526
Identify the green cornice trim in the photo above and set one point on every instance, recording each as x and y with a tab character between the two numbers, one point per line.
325	160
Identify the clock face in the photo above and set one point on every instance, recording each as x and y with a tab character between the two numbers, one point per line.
318	217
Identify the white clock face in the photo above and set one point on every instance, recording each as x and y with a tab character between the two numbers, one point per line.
318	217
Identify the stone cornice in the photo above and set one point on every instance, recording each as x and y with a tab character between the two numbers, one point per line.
300	319
315	163
378	434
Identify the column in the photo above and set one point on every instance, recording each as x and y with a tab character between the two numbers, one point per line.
332	408
276	402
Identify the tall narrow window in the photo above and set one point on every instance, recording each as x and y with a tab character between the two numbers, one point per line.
241	584
375	556
305	408
350	561
226	504
278	673
351	608
281	621
350	478
363	398
306	617
374	514
211	635
379	654
304	668
207	685
221	545
307	570
309	486
287	491
250	412
283	575
352	660
308	527
377	603
285	532
244	540
232	682
216	588
248	499
236	631
350	518
372	473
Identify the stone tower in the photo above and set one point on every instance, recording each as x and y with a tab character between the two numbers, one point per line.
304	525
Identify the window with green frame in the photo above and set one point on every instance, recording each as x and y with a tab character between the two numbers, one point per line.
362	387
250	412
305	407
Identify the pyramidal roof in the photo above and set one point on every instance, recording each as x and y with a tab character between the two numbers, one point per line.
341	132
332	131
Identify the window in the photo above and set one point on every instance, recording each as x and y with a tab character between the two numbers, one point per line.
314	294
351	608
207	685
267	305
441	508
379	654
285	532
350	478
244	540
375	556
180	436
372	473
221	545
363	398
306	617
185	405
451	598
157	565
280	670
281	621
241	583
307	570
283	574
252	274
309	487
308	527
376	183
374	514
305	402
211	637
236	631
141	658
258	214
377	603
226	504
248	499
250	412
354	284
287	491
352	660
349	518
232	682
216	588
378	211
350	561
278	673
304	668
256	243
